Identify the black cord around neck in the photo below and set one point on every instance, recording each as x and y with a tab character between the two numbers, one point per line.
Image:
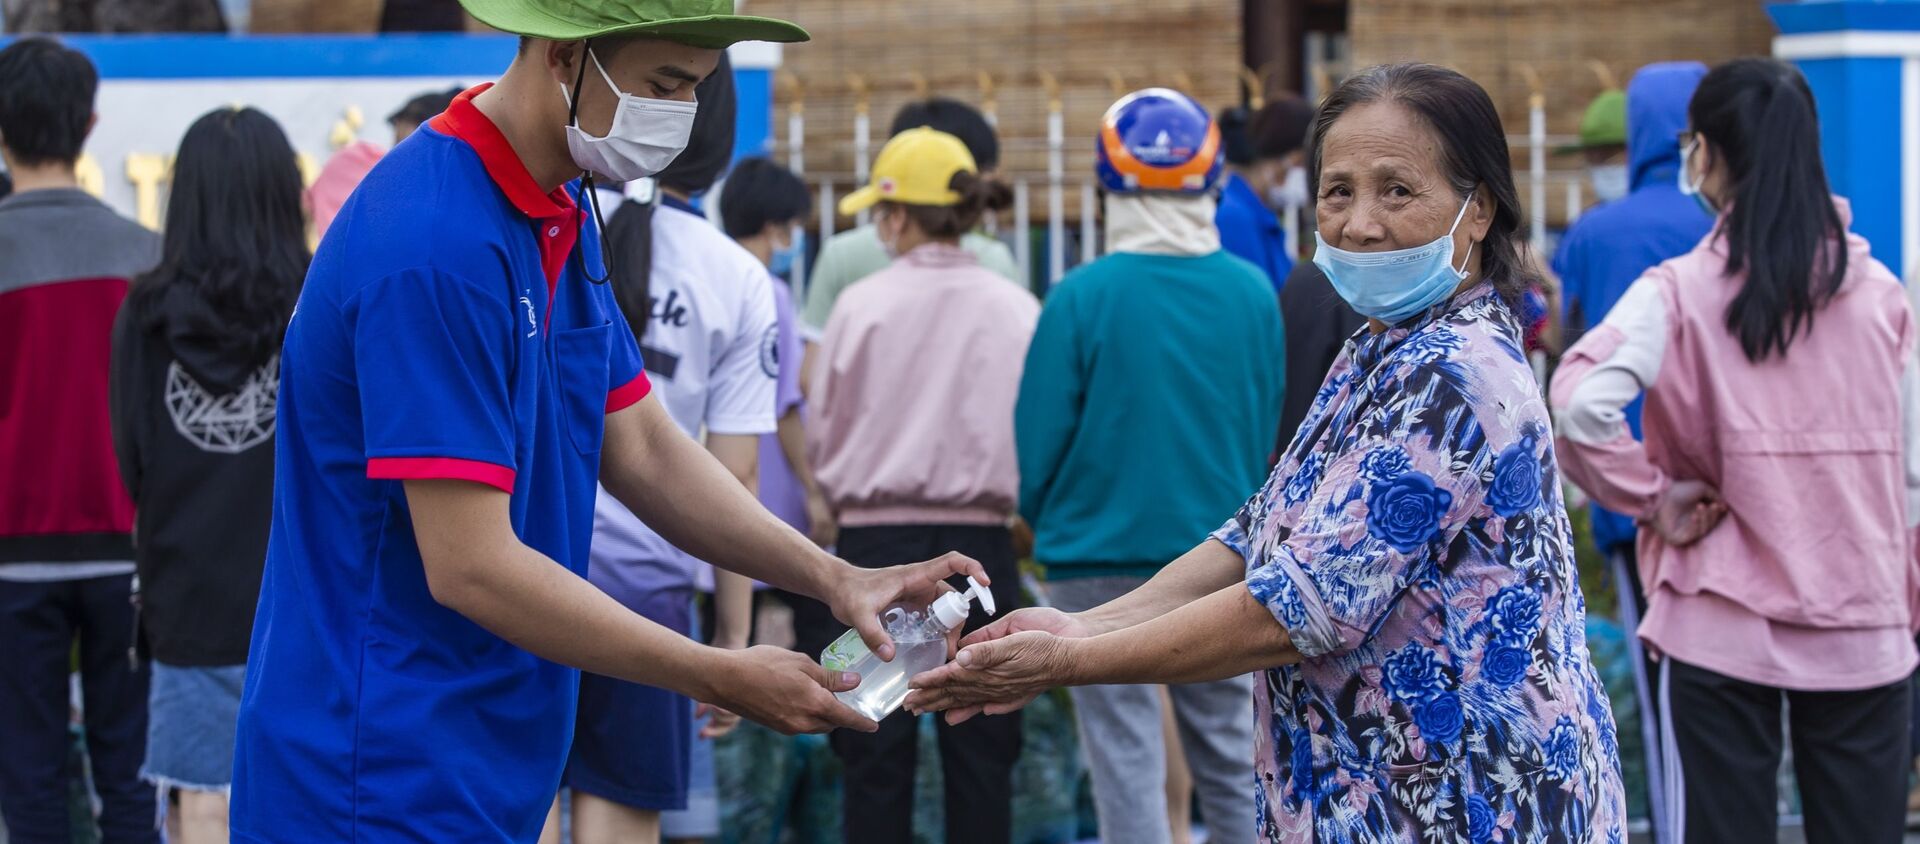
588	196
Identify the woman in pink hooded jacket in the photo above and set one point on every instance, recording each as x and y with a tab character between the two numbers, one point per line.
1775	484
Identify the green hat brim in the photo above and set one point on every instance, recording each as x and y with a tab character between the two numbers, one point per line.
709	31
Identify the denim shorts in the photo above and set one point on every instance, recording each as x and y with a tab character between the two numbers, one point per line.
190	723
631	742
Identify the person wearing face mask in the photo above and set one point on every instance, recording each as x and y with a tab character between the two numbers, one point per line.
1603	145
702	311
1613	243
1265	179
1147	409
759	207
1777	497
856	253
912	436
1404	585
454	379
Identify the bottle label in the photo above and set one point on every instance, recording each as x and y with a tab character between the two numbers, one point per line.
844	652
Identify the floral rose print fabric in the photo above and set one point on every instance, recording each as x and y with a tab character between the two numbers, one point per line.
1414	543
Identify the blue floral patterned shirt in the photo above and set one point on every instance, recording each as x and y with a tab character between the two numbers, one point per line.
1414	543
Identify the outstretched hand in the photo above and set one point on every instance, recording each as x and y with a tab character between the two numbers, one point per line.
1046	619
1001	667
1687	512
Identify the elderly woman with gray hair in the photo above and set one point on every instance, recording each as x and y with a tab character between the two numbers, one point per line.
1405	583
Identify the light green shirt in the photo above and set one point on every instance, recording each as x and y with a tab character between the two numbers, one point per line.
853	255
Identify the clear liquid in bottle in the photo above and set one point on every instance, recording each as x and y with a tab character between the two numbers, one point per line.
919	644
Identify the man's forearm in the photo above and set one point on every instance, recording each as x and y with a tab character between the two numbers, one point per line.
518	595
475	566
682	492
1206	569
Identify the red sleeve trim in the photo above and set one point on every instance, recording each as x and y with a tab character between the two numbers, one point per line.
440	468
630	393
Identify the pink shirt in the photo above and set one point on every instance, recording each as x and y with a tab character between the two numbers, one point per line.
342	173
912	404
1810	581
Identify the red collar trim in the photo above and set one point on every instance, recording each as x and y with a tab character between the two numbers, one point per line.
467	122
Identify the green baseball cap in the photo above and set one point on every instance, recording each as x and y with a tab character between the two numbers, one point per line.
699	23
1605	123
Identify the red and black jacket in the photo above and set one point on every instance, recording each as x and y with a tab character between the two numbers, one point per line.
65	261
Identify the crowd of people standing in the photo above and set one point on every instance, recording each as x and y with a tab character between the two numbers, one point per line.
377	502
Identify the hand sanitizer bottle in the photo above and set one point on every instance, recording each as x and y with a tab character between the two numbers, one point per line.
919	644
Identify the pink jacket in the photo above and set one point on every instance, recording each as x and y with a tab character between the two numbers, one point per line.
912	402
1807	451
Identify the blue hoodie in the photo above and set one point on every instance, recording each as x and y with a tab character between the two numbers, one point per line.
1613	244
1250	230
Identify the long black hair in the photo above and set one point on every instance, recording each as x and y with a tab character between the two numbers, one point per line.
235	232
1782	229
1473	149
629	235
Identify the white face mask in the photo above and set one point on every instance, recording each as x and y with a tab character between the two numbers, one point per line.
880	222
1291	193
646	135
1689	186
1609	181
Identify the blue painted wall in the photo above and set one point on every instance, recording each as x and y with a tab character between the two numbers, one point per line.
1859	102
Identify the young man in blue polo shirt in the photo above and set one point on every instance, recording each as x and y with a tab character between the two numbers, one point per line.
453	382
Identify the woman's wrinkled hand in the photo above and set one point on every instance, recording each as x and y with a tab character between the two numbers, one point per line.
993	677
1687	512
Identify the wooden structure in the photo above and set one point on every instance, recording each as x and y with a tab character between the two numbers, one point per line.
1562	47
997	54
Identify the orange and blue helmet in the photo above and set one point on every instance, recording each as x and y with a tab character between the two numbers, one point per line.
1157	139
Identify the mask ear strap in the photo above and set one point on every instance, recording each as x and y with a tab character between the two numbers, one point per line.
1456	226
580	75
603	74
1463	211
588	196
1462	272
591	197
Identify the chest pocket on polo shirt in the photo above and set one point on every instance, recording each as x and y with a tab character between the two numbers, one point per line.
580	358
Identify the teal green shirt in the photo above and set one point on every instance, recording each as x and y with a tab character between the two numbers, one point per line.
1147	410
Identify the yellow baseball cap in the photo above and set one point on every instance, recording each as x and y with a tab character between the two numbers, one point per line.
914	168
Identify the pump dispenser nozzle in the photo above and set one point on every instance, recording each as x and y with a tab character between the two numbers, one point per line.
950	610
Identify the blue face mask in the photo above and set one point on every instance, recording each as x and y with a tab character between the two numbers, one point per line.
1395	285
1688	185
781	262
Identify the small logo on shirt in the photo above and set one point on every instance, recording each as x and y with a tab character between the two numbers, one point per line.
533	325
770	351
